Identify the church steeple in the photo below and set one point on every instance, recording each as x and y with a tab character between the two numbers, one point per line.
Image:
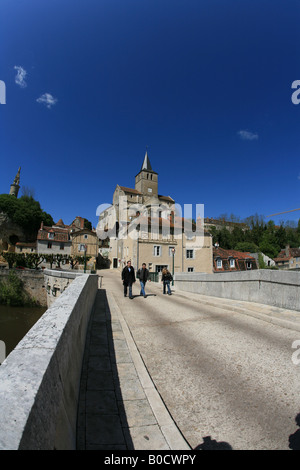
146	164
15	186
146	181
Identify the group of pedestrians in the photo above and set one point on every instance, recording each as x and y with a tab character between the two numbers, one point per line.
128	278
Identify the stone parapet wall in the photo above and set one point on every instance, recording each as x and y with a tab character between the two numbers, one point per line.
40	378
277	288
56	282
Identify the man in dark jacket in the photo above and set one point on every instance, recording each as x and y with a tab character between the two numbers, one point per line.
128	278
143	276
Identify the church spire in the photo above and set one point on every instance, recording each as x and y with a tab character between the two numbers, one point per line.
146	164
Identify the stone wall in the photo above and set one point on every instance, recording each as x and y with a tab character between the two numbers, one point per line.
40	378
278	288
56	282
34	283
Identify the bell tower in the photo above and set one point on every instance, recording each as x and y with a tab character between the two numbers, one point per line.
15	186
146	181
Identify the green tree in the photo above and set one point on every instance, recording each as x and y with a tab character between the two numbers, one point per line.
248	247
25	212
224	238
12	291
87	224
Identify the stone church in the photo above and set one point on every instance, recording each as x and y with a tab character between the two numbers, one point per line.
145	227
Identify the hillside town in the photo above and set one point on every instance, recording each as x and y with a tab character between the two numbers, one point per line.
160	242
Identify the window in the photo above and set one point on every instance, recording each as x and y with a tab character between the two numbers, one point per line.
190	270
157	250
219	263
85	237
81	247
51	235
49	245
249	265
160	267
62	246
149	190
190	254
232	263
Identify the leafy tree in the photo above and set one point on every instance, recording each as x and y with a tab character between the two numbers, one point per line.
246	246
224	238
87	224
33	260
10	258
25	212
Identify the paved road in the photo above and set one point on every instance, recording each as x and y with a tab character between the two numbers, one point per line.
226	377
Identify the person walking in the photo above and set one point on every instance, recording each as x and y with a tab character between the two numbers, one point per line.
143	276
128	278
166	279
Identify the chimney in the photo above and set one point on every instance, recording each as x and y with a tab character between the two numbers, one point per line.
287	251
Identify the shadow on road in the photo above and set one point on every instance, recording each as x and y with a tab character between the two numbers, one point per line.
212	444
102	420
294	439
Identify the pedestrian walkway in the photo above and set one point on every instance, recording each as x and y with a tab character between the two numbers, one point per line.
119	407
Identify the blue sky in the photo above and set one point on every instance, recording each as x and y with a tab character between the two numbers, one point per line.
205	84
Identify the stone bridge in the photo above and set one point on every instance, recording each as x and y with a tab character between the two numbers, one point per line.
100	371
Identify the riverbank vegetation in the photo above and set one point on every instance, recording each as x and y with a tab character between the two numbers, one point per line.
12	292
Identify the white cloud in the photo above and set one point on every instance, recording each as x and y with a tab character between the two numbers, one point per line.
20	77
247	135
47	99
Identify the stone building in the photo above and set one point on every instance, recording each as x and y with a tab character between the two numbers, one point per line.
24	247
232	260
55	239
288	258
84	240
145	227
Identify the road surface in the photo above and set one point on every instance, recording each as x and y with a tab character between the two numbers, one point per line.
226	377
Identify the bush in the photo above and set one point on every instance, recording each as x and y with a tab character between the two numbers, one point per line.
12	291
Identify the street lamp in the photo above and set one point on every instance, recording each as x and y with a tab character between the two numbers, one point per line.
85	248
173	253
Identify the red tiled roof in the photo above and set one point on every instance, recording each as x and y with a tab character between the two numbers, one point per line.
60	234
166	198
130	190
29	245
240	260
60	223
225	254
292	253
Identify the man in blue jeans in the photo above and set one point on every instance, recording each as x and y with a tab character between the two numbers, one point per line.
143	276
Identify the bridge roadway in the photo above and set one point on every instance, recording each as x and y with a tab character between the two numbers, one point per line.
188	372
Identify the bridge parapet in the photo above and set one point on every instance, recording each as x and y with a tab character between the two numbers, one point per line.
276	288
40	378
